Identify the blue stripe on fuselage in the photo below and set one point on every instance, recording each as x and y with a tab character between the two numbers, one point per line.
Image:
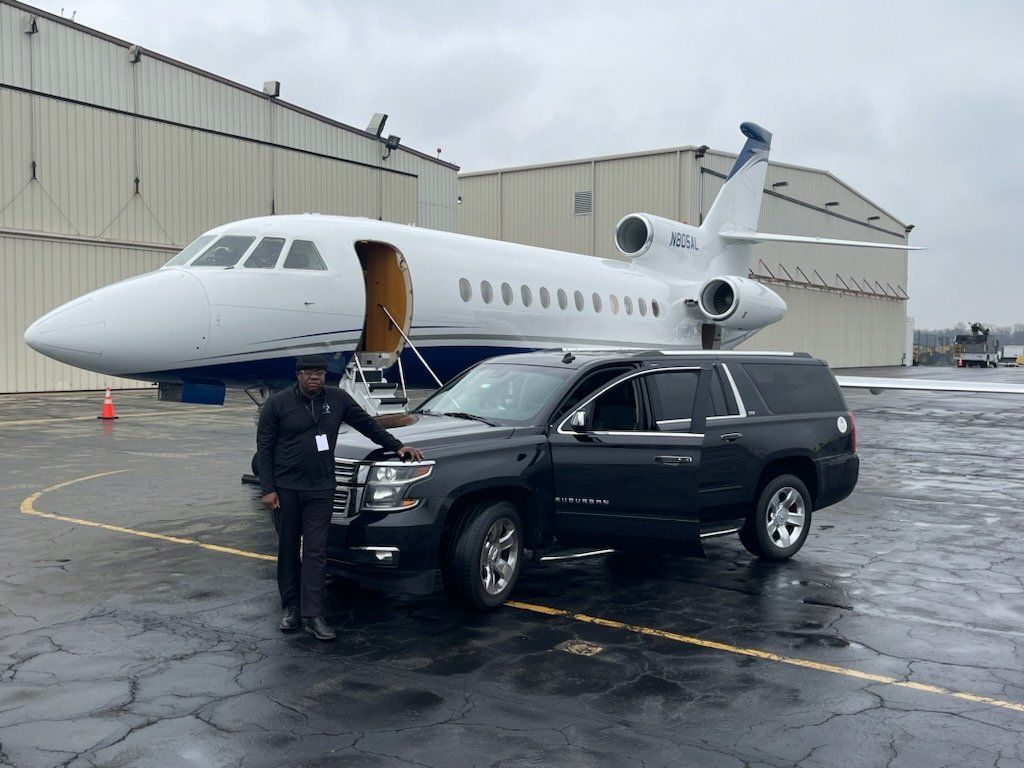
279	372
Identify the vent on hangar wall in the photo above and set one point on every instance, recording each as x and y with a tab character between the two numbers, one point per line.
582	203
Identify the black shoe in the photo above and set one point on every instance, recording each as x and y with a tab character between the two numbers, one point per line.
319	628
290	621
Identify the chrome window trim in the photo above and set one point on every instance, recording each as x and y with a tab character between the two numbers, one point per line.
647	434
735	393
642	372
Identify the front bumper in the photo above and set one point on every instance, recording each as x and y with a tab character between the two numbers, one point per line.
393	551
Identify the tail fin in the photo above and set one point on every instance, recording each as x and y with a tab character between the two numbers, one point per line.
738	204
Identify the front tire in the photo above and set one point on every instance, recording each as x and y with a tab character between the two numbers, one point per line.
486	557
777	527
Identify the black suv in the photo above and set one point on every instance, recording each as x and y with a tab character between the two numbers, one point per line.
649	452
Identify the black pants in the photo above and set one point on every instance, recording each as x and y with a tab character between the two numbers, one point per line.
305	516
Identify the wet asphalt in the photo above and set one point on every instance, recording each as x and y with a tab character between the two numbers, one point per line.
120	650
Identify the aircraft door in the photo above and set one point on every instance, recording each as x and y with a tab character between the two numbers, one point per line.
388	287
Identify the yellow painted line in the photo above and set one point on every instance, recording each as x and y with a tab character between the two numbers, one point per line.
27	507
125	417
765	655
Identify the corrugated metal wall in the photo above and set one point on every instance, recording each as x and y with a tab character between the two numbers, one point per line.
846	304
87	123
46	273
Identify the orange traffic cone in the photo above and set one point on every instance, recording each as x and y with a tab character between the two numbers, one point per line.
107	413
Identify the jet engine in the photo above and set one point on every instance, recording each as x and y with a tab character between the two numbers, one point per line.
638	233
739	304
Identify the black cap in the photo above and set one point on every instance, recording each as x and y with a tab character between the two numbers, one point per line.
311	361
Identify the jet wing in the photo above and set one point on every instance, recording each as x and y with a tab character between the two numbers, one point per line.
738	236
878	383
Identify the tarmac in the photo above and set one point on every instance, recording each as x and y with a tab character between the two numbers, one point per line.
138	617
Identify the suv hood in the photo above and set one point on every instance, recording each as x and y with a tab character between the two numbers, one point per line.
422	431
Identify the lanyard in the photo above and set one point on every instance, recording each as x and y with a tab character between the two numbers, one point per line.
312	406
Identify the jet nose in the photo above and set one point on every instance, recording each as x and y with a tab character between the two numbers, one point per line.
71	333
149	323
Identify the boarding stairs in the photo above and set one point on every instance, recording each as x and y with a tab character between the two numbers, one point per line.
365	381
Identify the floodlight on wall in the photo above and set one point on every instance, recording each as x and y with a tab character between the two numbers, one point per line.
458	200
134	54
831	203
391	143
376	126
272	88
778	184
29	24
700	151
874	218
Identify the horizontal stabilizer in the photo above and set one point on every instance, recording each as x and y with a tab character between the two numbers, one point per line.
878	383
768	237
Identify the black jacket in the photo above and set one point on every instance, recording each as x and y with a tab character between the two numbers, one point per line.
286	447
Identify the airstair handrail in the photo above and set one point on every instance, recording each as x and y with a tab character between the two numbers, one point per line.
411	345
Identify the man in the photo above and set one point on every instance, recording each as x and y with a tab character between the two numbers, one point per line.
295	440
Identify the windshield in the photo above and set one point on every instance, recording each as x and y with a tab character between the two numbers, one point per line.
501	393
190	251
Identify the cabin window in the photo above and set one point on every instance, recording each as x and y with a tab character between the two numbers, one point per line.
486	292
597	301
563	300
225	252
506	294
545	298
655	308
265	255
628	304
465	289
304	255
578	298
190	251
642	306
613	302
527	295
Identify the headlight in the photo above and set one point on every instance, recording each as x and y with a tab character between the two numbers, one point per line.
392	473
389	481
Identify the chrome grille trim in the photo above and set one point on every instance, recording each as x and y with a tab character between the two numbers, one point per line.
345	476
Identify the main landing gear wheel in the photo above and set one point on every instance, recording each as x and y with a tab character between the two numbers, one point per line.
486	557
779	523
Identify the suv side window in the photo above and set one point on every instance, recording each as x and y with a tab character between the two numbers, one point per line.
796	388
722	401
589	383
618	409
673	394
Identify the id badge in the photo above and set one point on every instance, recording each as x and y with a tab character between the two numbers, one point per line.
321	443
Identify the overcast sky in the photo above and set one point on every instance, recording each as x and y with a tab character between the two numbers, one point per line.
918	105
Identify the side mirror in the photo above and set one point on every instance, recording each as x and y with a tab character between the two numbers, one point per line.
578	422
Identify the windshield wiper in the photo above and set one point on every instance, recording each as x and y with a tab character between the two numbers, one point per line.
472	416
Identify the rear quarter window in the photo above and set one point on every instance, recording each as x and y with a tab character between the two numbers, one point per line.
796	388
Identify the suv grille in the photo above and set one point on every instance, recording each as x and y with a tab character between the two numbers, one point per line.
344	489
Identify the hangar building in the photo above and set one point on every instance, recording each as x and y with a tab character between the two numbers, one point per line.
846	305
113	158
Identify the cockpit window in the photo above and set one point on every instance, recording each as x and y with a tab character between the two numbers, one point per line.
225	252
304	255
264	255
197	245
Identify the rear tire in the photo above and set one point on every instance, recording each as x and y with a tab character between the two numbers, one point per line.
777	527
486	556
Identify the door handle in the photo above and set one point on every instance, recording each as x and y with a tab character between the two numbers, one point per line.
730	436
674	460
